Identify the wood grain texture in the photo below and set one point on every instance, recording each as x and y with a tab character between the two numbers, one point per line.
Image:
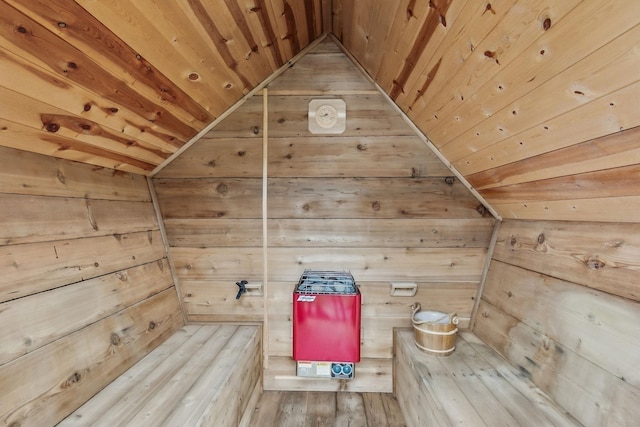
502	88
470	387
374	200
153	71
86	287
50	383
560	303
28	219
594	325
37	175
600	256
202	232
584	389
48	316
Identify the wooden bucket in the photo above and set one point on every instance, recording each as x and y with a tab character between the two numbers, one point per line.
435	332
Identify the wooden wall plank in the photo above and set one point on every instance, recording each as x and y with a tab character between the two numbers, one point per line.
47	384
48	316
560	303
592	324
42	142
369	198
110	52
609	183
599	210
598	255
367	156
497	40
177	52
215	301
616	150
188	232
389	264
587	122
589	393
34	174
376	31
333	76
37	267
33	85
28	219
46	120
210	198
307	198
217	157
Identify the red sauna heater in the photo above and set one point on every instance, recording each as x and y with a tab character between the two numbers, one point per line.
326	324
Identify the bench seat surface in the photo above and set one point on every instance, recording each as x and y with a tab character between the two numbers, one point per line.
202	375
474	386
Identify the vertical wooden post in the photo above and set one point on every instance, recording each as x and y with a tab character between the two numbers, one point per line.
485	272
265	246
165	243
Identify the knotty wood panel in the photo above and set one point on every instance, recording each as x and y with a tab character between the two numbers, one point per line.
308	198
37	267
598	255
366	264
595	325
34	174
200	232
28	219
588	392
474	386
81	256
612	151
153	71
366	156
47	316
210	198
332	75
374	200
560	303
369	198
47	384
503	88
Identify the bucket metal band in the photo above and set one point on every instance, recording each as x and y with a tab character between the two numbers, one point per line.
436	351
452	332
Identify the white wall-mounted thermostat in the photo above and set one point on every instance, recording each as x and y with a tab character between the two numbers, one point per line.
327	116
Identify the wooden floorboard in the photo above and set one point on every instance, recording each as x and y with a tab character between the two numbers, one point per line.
316	409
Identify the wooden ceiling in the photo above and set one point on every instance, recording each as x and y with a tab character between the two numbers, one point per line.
125	83
534	102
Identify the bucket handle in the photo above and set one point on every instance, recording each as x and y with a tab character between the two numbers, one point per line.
416	308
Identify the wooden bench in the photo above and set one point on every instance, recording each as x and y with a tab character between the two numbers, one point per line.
472	387
202	375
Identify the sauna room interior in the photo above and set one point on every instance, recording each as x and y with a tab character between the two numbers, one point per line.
169	170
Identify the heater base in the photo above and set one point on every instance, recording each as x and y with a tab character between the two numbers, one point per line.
334	370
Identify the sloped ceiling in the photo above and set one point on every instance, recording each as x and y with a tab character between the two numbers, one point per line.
125	83
534	102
